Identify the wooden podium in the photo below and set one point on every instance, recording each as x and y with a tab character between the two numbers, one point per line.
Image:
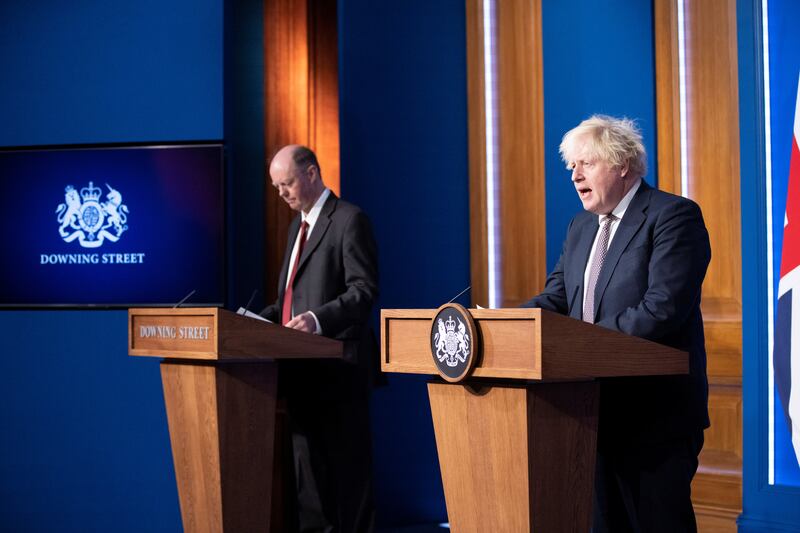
219	375
517	439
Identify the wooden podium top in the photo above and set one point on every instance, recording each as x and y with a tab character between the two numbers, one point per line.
213	334
528	344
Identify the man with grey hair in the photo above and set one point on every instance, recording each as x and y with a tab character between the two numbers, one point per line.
634	261
327	286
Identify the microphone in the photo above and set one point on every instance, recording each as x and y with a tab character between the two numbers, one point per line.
459	294
184	299
246	308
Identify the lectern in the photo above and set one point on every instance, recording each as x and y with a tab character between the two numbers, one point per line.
219	375
517	436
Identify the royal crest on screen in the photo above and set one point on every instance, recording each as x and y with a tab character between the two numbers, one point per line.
89	220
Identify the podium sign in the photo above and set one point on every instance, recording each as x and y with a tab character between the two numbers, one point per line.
178	332
210	333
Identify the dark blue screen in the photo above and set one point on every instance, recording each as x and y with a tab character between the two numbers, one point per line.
112	226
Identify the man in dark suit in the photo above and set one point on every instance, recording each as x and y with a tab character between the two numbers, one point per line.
328	284
634	261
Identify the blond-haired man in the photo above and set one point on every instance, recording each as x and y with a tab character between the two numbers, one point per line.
634	261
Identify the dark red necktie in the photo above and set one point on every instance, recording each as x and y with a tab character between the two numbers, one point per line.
287	296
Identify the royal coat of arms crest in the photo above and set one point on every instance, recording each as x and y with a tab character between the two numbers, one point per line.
453	342
452	346
83	217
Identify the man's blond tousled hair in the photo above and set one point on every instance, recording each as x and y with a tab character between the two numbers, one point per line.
614	140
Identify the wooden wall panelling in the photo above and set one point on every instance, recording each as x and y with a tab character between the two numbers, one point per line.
668	128
712	181
301	103
714	147
323	123
476	125
285	114
521	150
520	108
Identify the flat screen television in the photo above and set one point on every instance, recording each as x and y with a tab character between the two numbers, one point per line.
112	226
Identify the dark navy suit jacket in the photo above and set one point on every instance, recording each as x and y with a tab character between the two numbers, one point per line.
649	287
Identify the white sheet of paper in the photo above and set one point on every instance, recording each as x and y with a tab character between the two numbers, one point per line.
244	312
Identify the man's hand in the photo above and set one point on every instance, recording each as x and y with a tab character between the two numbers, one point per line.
303	322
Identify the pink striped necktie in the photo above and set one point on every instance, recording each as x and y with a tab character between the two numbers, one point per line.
596	268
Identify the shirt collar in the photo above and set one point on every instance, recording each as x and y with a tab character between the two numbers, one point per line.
313	215
623	204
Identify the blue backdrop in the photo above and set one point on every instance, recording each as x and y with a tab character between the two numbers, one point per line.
404	159
584	75
97	71
84	443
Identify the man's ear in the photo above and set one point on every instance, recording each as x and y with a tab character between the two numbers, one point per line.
623	169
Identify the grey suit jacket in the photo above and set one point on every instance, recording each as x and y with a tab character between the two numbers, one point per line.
337	277
649	287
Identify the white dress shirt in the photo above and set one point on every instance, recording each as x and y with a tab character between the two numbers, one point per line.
618	212
309	218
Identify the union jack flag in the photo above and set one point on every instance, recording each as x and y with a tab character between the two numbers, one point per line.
786	353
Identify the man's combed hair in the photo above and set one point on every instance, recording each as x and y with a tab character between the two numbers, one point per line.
614	140
304	156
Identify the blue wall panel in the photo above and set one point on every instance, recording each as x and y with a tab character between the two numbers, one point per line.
244	141
84	443
598	58
404	160
93	71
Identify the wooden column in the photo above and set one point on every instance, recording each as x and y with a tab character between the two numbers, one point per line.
520	149
301	103
712	122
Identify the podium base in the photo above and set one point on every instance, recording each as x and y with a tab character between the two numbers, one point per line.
517	458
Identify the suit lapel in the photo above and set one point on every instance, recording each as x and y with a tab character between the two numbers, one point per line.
320	228
582	250
630	224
